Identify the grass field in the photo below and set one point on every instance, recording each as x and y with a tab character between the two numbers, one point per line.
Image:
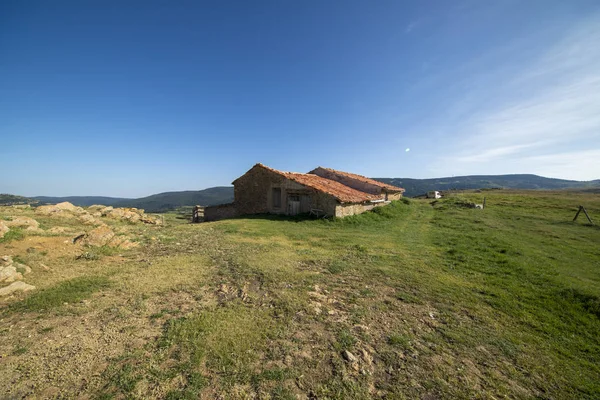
419	299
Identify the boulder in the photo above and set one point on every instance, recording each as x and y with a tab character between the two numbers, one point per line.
100	236
106	210
23	222
14	287
3	229
10	274
88	219
126	214
148	219
64	209
52	210
11	271
66	206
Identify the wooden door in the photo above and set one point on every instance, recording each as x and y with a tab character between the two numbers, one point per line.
293	204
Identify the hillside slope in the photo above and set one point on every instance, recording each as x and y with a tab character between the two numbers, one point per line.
172	200
155	203
11	199
416	187
81	201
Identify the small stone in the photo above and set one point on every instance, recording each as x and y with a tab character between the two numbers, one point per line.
349	356
361	328
6	260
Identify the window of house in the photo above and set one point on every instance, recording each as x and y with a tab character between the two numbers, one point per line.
276	197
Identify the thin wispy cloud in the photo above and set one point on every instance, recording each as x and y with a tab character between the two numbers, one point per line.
555	104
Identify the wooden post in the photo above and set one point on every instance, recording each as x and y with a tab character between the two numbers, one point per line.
484	202
586	214
577	215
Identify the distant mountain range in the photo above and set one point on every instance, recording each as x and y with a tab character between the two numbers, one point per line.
416	187
155	203
224	194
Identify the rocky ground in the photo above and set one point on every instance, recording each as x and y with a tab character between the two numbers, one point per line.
91	224
45	246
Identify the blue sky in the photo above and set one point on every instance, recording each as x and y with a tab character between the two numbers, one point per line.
130	98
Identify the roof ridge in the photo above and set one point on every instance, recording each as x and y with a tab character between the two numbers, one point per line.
365	178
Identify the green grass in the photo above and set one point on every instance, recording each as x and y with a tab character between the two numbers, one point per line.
433	298
13	234
227	339
518	280
71	291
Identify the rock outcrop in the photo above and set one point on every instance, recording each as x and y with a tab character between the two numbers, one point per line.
132	215
99	236
89	219
29	224
92	215
14	287
23	222
11	271
3	229
64	209
104	236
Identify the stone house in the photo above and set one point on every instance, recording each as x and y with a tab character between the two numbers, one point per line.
323	191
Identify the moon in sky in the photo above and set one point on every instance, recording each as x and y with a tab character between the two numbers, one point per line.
407	150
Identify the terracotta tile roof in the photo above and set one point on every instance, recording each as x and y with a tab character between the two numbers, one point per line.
340	192
361	178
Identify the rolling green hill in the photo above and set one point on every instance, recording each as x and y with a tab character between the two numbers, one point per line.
11	199
155	203
416	187
81	201
172	200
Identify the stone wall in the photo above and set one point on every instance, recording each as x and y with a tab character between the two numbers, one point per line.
253	193
324	202
394	196
223	211
344	210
